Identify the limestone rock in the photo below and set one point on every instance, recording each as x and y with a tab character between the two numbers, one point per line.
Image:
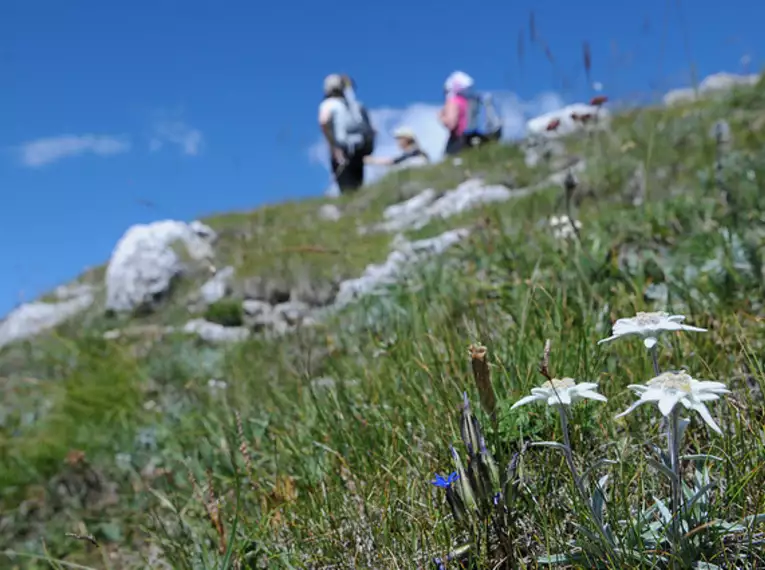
215	333
218	286
271	289
33	318
149	257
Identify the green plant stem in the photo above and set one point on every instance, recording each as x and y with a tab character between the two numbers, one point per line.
673	437
575	474
568	454
655	359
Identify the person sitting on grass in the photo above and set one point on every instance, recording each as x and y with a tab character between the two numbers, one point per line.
411	153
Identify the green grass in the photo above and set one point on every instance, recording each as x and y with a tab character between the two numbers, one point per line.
337	473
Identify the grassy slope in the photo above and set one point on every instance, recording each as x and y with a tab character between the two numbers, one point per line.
340	474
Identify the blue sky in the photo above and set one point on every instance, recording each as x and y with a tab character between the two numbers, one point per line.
118	112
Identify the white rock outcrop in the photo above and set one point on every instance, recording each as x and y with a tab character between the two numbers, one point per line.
146	260
405	255
567	124
419	210
218	286
715	83
33	318
215	333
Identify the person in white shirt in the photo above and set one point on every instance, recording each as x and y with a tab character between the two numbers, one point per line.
345	123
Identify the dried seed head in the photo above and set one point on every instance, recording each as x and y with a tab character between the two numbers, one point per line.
570	182
482	376
587	57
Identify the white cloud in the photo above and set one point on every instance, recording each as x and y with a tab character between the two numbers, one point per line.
44	151
421	117
176	132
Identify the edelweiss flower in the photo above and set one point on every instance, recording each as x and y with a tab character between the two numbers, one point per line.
649	326
562	392
670	388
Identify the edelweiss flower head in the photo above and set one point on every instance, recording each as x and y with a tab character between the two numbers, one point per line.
562	392
649	326
670	388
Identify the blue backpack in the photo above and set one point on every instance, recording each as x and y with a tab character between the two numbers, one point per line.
484	120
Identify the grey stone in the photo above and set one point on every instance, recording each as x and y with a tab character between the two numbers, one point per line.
215	333
218	286
318	292
33	318
271	289
292	312
259	314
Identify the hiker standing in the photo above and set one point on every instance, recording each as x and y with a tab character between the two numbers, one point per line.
411	153
472	119
345	124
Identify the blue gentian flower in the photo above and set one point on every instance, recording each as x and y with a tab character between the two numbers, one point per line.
445	482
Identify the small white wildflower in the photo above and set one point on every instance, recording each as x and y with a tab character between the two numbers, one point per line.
562	392
649	326
561	226
670	388
214	384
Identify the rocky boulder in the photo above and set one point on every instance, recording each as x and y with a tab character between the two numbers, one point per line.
568	120
149	257
30	319
712	84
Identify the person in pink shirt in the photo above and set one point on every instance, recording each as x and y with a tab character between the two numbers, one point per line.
454	114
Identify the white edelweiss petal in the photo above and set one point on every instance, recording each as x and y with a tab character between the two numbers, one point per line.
706	397
652	394
592	395
709	386
560	397
634	405
601	341
541	393
706	416
626	326
650	342
638	388
676	318
668	401
525	400
586	386
690	328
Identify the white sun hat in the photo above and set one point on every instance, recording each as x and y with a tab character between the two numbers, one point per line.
404	133
458	81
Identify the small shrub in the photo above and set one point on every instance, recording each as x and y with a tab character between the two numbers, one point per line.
226	312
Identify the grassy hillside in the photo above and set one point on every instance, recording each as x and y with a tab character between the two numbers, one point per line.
317	450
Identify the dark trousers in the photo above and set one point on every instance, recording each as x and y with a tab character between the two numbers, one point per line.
457	143
350	175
